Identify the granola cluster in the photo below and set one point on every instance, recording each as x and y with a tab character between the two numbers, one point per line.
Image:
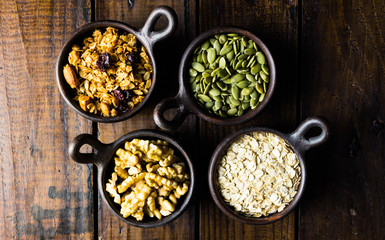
111	72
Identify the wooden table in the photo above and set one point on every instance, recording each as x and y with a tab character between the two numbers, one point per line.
330	63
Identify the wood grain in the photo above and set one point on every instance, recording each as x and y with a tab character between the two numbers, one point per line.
43	194
167	54
343	80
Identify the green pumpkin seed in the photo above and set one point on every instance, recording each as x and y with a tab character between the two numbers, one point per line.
222	39
217	46
242	56
230	56
240	111
255	69
253	103
235	92
250	51
265	69
232	111
218	104
260	58
211	55
263	75
250	77
209	105
261	97
225	50
238	77
204	98
223	73
222	62
245	105
259	88
228	75
197	66
254	95
205	45
243	84
193	72
214	92
246	91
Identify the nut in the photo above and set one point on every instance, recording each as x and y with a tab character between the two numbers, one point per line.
70	76
84	101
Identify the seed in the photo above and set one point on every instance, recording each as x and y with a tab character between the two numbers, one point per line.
265	69
222	39
206	45
222	62
225	50
261	58
193	72
246	91
250	51
217	46
197	66
204	98
211	55
232	111
243	84
228	75
250	77
256	69
214	92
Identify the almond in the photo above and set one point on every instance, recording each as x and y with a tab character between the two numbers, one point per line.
84	101
70	76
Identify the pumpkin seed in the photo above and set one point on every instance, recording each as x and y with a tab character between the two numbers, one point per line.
228	75
246	91
232	111
205	45
260	58
211	55
243	84
250	51
204	98
197	66
235	92
214	92
222	62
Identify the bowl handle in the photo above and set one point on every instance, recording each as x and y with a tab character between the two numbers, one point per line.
166	104
147	30
96	157
298	139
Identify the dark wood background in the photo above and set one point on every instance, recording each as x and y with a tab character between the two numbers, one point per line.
330	62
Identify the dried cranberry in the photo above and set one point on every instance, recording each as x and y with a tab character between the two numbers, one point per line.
122	108
127	94
133	57
119	94
104	61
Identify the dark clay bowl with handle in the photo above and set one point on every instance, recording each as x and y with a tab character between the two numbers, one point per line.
146	36
103	158
185	103
297	141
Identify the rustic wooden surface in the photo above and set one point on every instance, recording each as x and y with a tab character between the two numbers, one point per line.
330	63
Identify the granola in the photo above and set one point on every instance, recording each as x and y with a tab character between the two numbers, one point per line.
108	82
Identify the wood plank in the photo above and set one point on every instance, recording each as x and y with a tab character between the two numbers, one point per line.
168	54
276	23
43	194
343	81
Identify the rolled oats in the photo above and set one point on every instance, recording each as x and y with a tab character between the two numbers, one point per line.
113	72
259	174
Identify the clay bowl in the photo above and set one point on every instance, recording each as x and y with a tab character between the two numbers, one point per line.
103	158
296	140
185	103
146	36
